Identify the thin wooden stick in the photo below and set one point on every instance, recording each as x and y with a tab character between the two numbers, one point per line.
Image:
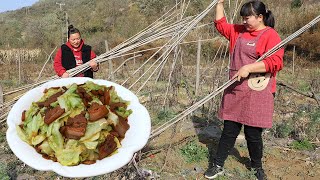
293	58
49	57
198	68
1	96
170	76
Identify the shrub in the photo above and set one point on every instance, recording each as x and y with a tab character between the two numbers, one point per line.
2	137
163	116
315	117
283	130
3	173
314	125
192	152
296	4
302	145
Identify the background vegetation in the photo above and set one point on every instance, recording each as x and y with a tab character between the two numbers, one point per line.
41	25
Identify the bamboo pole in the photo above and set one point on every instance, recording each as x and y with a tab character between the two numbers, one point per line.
67	24
111	75
1	95
19	64
198	67
134	61
293	58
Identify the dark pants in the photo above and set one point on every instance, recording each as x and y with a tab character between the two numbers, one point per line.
229	134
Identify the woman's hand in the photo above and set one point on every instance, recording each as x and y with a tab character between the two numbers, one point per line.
243	72
65	75
219	10
93	65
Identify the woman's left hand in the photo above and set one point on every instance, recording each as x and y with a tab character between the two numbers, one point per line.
93	65
243	72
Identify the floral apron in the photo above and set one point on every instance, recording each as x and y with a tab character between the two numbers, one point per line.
240	103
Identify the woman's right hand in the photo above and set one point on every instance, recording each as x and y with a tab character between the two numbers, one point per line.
65	75
219	10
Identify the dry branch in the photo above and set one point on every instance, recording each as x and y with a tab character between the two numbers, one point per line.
1	96
311	95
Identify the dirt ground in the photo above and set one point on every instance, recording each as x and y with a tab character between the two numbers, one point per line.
279	161
161	158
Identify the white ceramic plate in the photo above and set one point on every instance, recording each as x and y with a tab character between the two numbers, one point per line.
135	139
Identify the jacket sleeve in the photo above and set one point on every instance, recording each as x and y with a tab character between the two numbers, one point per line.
57	63
92	55
227	30
223	27
273	63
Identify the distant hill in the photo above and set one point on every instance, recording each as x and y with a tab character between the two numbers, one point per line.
43	25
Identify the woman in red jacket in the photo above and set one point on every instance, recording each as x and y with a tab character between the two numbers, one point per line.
74	53
249	101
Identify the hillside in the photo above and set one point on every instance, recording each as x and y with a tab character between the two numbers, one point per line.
43	25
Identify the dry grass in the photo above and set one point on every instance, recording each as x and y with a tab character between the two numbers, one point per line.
10	56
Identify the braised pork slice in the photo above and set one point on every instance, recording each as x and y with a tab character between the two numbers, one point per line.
107	147
122	127
52	114
23	117
50	100
97	111
106	96
115	106
75	127
83	94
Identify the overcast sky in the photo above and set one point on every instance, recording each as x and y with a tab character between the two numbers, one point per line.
6	5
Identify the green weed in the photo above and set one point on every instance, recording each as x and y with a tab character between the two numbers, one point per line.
304	86
222	178
244	174
192	152
2	137
314	125
163	116
8	83
3	172
283	130
315	116
296	4
302	145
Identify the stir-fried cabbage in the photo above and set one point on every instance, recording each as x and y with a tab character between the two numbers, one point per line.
71	137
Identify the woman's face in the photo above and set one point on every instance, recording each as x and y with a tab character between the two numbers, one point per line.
252	23
75	40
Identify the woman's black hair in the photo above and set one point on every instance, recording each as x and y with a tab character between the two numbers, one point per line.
255	8
72	30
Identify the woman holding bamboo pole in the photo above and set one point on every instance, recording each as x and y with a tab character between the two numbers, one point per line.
249	101
74	53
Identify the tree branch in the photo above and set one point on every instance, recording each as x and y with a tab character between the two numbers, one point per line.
311	94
